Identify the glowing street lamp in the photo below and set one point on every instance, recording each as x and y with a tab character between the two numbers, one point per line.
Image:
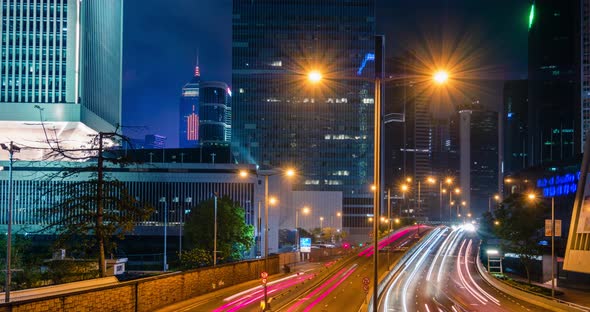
314	76
532	197
441	77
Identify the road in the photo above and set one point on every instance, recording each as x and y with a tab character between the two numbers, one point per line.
332	286
440	274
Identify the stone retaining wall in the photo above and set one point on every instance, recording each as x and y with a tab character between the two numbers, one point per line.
150	293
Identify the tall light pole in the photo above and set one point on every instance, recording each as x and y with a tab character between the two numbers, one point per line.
267	201
496	198
532	196
11	150
440	78
215	195
165	261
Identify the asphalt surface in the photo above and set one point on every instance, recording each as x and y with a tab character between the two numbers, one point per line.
441	275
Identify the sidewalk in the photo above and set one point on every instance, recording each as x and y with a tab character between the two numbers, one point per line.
579	297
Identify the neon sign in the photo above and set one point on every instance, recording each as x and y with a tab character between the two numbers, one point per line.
559	185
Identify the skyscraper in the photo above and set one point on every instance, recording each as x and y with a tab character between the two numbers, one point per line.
215	113
61	64
279	119
189	112
514	119
554	76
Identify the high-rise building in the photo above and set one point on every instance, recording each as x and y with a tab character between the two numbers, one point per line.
324	130
215	113
514	125
474	138
554	74
154	141
61	64
189	112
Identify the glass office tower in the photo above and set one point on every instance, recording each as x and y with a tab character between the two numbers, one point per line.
324	130
61	63
215	112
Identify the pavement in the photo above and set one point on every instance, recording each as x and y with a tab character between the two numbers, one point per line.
579	297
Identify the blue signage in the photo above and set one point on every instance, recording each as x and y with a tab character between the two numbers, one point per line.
305	244
559	185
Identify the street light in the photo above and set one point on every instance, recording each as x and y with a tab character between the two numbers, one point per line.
404	189
289	172
532	197
11	148
321	225
441	77
316	77
496	198
165	264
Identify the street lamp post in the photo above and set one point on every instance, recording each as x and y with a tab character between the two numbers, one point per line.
215	228
11	150
165	261
321	225
440	77
532	197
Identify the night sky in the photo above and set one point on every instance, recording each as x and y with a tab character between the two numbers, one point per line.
161	40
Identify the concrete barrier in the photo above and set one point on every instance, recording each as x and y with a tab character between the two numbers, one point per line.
541	301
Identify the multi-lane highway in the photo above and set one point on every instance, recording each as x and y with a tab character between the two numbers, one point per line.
440	274
332	286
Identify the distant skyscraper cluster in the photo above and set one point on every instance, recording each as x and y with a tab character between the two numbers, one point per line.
61	64
205	113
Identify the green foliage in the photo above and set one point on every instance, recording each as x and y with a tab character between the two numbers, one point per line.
25	261
195	258
234	236
520	227
74	215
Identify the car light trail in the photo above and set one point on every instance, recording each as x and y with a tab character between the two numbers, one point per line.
321	288
331	289
467	252
450	249
470	289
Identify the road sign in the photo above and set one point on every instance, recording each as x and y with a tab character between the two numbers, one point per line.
366	288
263	274
305	244
264	281
548	227
366	281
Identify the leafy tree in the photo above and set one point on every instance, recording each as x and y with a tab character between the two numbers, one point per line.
520	227
234	236
194	258
81	226
26	260
87	204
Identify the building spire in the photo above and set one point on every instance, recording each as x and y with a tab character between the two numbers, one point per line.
197	71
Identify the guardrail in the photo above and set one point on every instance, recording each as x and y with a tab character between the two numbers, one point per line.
546	302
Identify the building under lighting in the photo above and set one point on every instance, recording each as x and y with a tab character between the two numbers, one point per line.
215	113
189	112
67	74
279	119
554	112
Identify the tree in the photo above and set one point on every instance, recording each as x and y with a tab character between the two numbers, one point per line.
234	236
520	224
88	204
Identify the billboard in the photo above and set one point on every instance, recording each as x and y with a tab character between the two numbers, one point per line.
305	244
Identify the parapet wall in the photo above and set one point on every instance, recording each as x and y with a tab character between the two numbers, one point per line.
151	293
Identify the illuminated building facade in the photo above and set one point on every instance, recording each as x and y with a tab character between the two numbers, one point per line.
279	119
215	113
554	123
62	64
189	112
